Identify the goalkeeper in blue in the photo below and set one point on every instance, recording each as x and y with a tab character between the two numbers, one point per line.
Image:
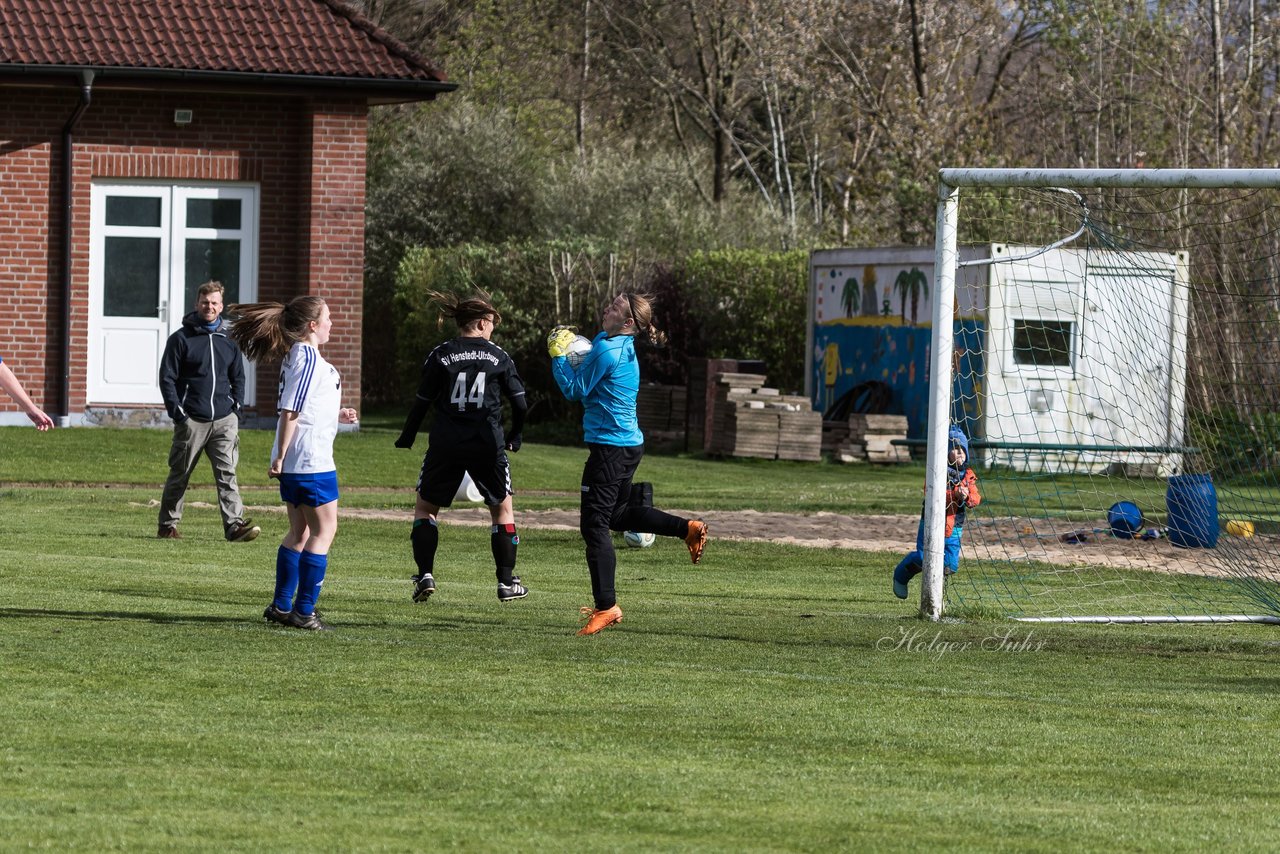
962	494
607	382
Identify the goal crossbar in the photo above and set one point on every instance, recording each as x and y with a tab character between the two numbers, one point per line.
1197	178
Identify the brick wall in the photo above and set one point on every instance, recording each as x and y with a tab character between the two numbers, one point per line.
303	247
331	246
31	263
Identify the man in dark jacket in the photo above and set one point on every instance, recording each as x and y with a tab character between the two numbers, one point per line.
202	383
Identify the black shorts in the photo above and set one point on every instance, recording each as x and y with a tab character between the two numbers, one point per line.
444	466
606	481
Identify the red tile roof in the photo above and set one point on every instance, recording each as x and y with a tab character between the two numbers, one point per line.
324	38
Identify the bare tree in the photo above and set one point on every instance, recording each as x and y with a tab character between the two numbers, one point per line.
425	25
694	56
919	83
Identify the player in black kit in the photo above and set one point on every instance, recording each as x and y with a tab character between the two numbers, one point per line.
465	379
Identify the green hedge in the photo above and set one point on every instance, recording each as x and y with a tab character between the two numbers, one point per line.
1236	446
725	304
752	306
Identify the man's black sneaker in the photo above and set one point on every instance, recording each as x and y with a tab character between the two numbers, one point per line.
423	586
514	590
310	622
275	615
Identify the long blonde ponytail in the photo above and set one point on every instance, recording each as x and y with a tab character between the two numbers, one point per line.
268	329
642	313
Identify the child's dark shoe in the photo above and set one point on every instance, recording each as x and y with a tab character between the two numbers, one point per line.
902	576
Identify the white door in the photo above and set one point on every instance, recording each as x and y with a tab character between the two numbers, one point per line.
1033	346
151	247
1130	348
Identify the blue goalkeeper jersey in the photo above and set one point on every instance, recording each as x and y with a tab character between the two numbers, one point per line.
607	382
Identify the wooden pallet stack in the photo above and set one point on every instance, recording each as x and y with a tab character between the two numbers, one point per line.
741	426
834	434
701	399
870	438
799	430
750	420
661	412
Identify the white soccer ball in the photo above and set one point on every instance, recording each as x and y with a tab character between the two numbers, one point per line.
637	540
578	350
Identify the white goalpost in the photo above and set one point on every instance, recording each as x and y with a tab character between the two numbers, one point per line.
1111	347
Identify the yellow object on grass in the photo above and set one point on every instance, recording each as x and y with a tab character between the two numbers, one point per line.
1239	528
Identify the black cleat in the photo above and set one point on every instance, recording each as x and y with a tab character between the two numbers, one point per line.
423	586
310	622
514	590
275	615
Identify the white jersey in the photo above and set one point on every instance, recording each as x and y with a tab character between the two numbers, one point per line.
311	387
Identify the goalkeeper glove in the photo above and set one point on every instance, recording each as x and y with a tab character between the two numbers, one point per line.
558	341
513	442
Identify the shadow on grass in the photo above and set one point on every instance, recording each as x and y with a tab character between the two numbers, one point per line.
141	616
169	596
1265	685
253	617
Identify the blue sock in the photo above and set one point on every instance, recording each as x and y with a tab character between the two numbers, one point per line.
311	569
286	578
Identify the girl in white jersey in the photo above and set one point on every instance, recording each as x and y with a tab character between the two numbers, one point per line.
310	407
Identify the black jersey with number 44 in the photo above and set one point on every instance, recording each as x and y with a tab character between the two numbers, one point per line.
465	380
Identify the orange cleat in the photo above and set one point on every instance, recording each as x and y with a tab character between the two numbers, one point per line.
597	620
696	539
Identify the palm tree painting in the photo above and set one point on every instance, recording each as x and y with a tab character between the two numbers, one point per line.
851	299
911	285
869	290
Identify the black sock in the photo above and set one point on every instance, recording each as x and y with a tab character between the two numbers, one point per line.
425	539
651	521
504	539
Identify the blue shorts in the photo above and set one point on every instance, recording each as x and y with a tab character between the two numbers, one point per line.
313	490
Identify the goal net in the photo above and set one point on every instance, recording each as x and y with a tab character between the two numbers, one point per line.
1114	342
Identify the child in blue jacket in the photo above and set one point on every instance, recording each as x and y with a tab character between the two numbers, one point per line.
962	494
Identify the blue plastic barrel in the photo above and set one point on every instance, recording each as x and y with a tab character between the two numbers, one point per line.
1193	511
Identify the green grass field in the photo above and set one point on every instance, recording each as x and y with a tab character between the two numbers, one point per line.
773	699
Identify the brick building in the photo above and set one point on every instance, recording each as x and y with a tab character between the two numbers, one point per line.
187	140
